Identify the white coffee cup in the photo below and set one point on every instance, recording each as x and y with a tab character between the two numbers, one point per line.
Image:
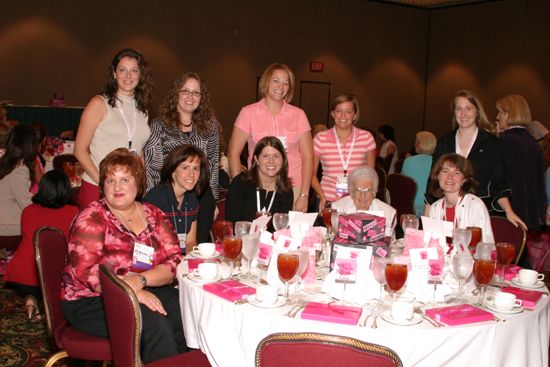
267	294
205	249
529	277
206	271
506	301
402	310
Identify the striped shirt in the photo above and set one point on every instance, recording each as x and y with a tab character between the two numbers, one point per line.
163	140
325	147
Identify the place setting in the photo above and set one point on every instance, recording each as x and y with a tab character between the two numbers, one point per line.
529	279
205	251
205	273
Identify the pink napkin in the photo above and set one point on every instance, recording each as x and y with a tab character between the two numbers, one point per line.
192	264
528	297
331	313
512	271
230	290
459	314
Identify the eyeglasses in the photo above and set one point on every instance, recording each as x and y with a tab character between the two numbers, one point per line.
365	191
193	93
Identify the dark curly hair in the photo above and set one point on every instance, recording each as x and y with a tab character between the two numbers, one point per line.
21	147
470	184
144	88
203	117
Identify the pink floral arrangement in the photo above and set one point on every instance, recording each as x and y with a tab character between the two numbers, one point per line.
52	146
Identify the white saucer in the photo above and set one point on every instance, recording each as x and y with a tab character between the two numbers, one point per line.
199	280
199	256
254	302
491	306
386	316
538	284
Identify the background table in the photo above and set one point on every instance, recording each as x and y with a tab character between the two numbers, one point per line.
228	334
56	119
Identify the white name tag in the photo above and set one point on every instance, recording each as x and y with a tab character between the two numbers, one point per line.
342	186
182	237
143	256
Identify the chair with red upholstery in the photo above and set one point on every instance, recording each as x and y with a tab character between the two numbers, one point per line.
321	350
123	315
504	231
402	191
382	177
51	257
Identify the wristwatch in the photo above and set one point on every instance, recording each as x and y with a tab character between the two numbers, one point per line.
143	281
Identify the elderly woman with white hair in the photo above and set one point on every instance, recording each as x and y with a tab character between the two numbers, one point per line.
363	185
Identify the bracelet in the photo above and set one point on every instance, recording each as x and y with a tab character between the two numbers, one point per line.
302	195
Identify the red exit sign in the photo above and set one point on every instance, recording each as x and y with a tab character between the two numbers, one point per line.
317	66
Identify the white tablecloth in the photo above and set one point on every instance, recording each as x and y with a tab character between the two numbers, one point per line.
228	334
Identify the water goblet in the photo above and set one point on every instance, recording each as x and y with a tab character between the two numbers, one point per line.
505	255
250	249
287	266
396	276
461	267
378	266
222	228
232	247
461	239
242	228
280	221
409	221
484	269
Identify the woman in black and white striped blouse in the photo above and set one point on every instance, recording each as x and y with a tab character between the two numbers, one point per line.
187	117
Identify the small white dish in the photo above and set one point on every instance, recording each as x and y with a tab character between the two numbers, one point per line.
491	306
199	280
538	284
386	316
254	302
199	256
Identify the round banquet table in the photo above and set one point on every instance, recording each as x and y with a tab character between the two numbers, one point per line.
228	333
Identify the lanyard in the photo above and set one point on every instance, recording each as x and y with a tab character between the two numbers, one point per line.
263	210
346	163
131	130
176	213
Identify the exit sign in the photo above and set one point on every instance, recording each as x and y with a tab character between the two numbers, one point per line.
317	66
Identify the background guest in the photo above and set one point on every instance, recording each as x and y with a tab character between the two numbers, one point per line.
452	180
183	176
363	185
472	140
274	116
138	243
265	187
388	147
40	132
52	206
116	118
187	117
523	161
16	175
418	166
340	150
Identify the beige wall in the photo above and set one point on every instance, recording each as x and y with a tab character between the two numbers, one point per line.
376	51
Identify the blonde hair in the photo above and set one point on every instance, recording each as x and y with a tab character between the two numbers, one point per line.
263	84
426	142
519	113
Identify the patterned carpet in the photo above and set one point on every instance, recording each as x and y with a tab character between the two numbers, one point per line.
22	342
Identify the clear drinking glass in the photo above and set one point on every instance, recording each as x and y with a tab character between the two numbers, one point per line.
242	228
280	221
287	266
250	249
409	221
461	265
461	239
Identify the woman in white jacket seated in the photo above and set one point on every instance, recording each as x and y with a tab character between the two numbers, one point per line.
362	186
452	180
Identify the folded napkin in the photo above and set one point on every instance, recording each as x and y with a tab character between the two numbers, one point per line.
332	313
529	298
459	314
417	285
230	290
365	287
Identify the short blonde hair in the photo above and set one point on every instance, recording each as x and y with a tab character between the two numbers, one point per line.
263	84
519	113
343	98
426	142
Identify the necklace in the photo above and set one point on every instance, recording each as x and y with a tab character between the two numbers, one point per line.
187	125
128	219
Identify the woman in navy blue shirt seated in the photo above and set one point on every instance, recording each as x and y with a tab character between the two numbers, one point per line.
184	175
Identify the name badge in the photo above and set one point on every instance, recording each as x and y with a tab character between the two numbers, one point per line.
182	237
342	186
143	256
284	142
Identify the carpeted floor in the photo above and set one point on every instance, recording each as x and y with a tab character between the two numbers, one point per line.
22	342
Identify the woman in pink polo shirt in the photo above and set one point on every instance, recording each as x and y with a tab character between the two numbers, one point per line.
274	116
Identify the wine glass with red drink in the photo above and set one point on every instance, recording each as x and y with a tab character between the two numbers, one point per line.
222	228
232	247
484	269
327	218
396	276
287	266
505	255
476	237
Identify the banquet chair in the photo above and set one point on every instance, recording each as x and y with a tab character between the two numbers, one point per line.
504	231
51	257
321	350
381	193
402	191
123	315
60	159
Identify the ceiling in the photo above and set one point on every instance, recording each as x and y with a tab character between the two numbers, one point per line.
432	4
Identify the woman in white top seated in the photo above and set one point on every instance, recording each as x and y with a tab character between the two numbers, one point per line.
363	185
452	180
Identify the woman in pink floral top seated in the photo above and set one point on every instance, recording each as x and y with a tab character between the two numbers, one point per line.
137	242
